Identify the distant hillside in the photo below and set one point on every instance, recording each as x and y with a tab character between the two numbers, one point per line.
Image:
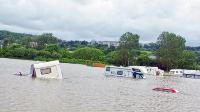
20	37
193	48
12	35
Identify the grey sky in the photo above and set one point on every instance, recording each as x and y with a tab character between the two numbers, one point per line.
103	19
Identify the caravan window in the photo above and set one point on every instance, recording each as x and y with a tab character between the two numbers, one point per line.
119	72
45	71
107	68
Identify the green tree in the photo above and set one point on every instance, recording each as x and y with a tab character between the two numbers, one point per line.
7	41
171	47
52	48
113	58
46	39
65	53
128	48
44	54
26	41
188	60
143	60
56	55
87	53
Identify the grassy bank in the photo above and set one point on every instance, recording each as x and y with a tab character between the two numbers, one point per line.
67	60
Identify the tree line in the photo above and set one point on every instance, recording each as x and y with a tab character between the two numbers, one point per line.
168	52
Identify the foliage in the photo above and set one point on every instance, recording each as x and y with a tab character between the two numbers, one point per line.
113	58
65	53
22	53
128	48
188	60
171	50
46	39
44	54
15	36
89	54
73	45
52	48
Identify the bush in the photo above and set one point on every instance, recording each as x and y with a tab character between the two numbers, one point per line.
56	55
89	54
113	58
23	53
44	54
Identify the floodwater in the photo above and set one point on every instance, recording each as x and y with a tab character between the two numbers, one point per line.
86	89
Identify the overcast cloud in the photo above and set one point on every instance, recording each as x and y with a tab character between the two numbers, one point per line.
103	19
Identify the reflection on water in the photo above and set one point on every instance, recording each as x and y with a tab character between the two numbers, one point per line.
86	89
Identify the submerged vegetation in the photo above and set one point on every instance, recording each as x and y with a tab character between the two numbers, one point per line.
168	52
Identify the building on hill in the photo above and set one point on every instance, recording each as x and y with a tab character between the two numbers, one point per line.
33	44
108	43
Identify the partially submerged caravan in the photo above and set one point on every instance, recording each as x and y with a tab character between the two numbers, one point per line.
46	70
155	71
177	72
131	71
185	73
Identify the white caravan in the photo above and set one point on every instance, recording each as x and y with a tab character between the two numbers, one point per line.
46	70
122	71
155	71
178	72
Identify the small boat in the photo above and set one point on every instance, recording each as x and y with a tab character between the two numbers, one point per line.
171	90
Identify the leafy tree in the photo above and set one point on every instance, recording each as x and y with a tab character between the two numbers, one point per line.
44	54
23	53
26	41
1	52
65	53
143	60
128	48
52	48
46	39
89	54
56	55
170	50
113	58
188	60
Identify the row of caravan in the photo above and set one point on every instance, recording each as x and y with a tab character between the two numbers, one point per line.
128	71
181	72
52	70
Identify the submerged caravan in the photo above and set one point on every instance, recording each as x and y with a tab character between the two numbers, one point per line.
132	71
46	70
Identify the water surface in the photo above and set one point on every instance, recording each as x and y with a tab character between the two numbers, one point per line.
86	89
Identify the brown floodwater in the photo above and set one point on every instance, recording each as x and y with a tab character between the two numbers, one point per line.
86	89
